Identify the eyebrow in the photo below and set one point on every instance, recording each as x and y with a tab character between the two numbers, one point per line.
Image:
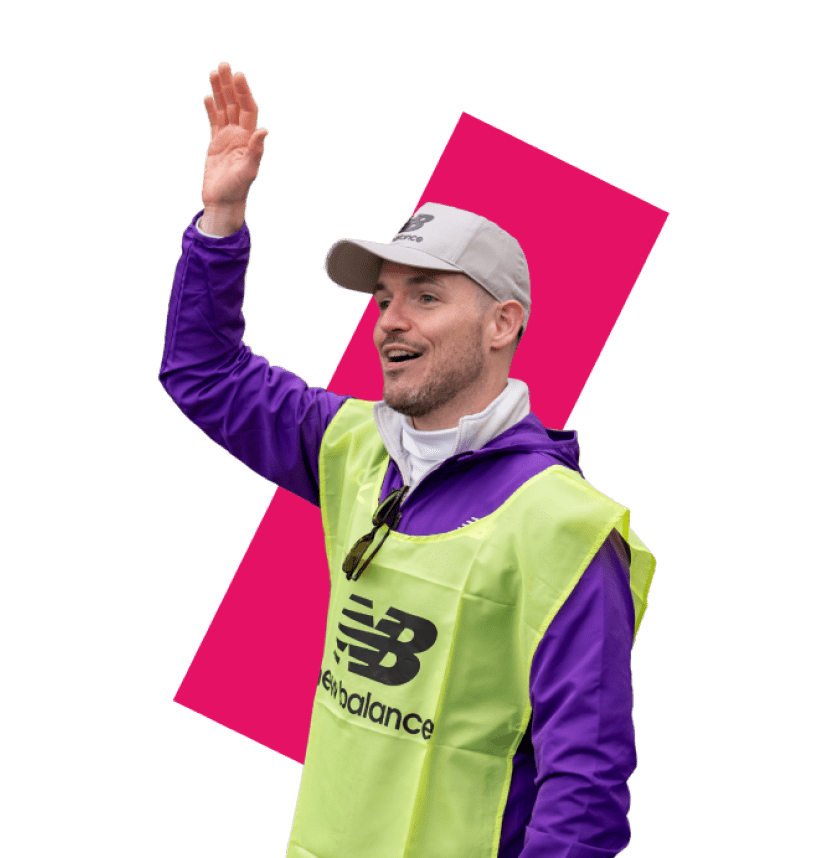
414	280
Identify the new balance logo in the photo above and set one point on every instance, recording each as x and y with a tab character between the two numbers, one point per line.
373	643
416	222
376	710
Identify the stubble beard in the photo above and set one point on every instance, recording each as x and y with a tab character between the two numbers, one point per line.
442	386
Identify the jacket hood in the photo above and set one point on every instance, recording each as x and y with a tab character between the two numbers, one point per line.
530	436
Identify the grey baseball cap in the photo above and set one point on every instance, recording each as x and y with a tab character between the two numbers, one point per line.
442	238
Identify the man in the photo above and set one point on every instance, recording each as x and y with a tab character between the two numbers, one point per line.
474	697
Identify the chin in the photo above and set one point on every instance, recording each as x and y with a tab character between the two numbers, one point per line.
409	409
411	403
406	402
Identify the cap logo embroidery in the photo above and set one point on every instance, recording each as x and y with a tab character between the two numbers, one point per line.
416	222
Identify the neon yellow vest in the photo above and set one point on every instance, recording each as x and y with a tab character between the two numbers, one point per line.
423	692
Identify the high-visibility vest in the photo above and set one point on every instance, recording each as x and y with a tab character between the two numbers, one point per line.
423	689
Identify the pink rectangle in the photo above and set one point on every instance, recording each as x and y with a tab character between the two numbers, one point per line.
586	242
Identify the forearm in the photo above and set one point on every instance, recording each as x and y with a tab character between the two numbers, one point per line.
205	319
266	417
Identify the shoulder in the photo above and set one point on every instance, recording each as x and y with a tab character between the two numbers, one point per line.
353	417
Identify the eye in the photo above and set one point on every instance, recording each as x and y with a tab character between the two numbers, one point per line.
426	298
382	305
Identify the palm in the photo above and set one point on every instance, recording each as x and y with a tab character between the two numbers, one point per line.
233	159
229	171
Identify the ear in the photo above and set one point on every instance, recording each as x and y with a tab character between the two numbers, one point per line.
507	320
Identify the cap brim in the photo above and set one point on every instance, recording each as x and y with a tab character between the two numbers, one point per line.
357	264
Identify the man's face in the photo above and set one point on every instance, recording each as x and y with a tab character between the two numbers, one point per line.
430	338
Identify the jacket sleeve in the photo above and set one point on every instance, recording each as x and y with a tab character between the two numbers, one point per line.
265	416
581	728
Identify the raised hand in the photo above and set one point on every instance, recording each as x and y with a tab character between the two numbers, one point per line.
235	151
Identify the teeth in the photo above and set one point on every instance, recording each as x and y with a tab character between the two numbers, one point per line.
401	353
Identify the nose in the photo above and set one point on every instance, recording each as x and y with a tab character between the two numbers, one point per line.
393	317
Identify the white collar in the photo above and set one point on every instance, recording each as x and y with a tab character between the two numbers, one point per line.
473	431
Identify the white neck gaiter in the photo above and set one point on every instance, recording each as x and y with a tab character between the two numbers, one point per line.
418	453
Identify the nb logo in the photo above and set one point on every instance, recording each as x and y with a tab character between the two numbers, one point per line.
374	643
415	222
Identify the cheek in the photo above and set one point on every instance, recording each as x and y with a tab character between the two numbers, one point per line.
464	341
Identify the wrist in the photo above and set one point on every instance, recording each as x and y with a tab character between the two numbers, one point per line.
223	220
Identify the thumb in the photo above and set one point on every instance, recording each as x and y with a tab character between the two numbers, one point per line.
255	144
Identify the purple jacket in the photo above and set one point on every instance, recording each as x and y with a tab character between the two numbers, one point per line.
568	796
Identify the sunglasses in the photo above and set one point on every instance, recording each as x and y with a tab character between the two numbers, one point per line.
389	513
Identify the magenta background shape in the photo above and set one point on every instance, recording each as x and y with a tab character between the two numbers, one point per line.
586	242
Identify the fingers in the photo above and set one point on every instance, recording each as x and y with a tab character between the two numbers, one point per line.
218	99
233	103
246	103
223	89
211	110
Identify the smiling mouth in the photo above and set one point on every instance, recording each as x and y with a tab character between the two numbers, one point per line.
399	356
398	363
